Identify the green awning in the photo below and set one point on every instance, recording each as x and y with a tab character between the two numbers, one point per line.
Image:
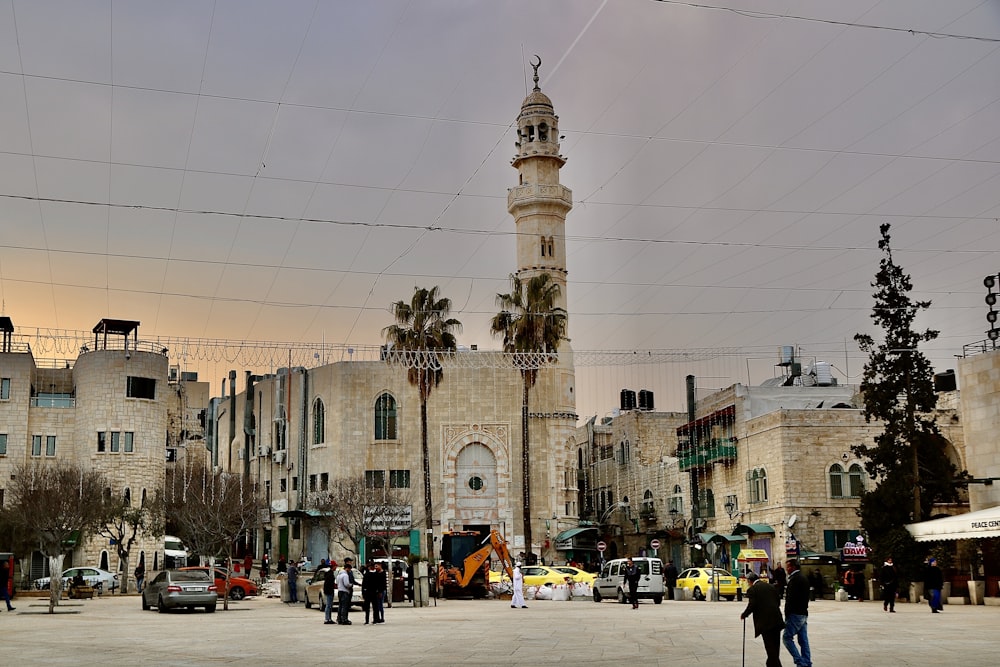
305	514
756	528
569	534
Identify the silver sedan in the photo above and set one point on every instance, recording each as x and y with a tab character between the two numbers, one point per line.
171	589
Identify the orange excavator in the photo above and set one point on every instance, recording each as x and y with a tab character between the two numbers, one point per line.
465	565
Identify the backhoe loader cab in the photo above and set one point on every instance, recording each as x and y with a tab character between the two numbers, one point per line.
465	562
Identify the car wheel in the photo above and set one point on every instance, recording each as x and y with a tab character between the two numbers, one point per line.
698	595
658	599
237	593
210	608
730	597
597	595
145	605
308	603
621	597
322	603
160	607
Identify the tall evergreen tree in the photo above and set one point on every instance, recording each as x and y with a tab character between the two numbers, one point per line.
908	460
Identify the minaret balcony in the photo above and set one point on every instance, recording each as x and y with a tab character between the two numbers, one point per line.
525	195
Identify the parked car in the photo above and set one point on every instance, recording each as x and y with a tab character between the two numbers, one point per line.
171	589
610	583
579	576
699	581
534	575
100	579
239	587
314	589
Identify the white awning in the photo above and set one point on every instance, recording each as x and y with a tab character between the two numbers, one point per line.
972	525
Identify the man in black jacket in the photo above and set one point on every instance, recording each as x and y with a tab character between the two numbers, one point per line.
670	579
762	602
796	614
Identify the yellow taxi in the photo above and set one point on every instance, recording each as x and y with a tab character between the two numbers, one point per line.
699	581
579	576
534	575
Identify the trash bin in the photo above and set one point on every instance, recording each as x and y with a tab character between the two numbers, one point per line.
398	588
679	594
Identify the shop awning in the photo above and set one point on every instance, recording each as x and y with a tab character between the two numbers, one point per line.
755	528
718	537
569	534
305	514
969	526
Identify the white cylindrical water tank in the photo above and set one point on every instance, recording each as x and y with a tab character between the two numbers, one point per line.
824	373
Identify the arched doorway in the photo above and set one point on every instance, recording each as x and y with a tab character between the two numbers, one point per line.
476	485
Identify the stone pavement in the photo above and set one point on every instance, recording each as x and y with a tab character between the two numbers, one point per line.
112	630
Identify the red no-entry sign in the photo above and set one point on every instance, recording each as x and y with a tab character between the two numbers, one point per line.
655	544
601	546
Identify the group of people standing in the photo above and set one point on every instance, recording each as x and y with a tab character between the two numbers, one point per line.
342	583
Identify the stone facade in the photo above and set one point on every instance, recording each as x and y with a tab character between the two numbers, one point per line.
474	426
73	401
979	376
774	452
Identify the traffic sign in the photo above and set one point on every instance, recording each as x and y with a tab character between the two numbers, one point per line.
655	544
601	546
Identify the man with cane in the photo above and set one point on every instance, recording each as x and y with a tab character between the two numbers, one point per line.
763	603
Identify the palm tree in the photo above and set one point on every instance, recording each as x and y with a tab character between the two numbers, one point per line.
423	330
531	324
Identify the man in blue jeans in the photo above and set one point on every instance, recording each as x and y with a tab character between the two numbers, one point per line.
345	589
329	592
796	614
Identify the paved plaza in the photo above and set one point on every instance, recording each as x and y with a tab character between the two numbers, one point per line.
262	631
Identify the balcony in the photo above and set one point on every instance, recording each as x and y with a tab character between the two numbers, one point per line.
717	450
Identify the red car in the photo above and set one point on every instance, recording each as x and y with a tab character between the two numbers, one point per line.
239	587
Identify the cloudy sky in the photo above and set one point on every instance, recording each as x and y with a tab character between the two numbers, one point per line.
283	171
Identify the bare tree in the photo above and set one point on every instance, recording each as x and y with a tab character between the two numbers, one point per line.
53	504
125	521
212	510
352	510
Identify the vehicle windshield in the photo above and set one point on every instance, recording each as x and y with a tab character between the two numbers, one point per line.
189	575
173	545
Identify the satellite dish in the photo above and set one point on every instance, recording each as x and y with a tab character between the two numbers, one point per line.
792	519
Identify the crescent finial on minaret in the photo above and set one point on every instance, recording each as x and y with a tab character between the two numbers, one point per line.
535	67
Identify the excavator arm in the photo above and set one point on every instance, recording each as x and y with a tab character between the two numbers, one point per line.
475	561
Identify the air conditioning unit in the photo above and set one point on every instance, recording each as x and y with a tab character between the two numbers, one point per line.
263	451
278	457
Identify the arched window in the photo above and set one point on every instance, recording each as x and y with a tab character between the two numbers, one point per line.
385	417
543	246
319	422
856	477
706	504
758	486
143	501
648	508
127	497
836	481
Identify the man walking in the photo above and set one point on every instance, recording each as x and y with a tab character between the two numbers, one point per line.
345	587
517	590
796	614
670	578
890	583
4	584
934	582
632	579
762	602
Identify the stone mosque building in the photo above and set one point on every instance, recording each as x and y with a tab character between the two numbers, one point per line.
362	418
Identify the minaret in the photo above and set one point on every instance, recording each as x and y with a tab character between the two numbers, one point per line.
539	203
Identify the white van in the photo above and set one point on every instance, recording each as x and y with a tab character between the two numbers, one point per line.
175	554
610	583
